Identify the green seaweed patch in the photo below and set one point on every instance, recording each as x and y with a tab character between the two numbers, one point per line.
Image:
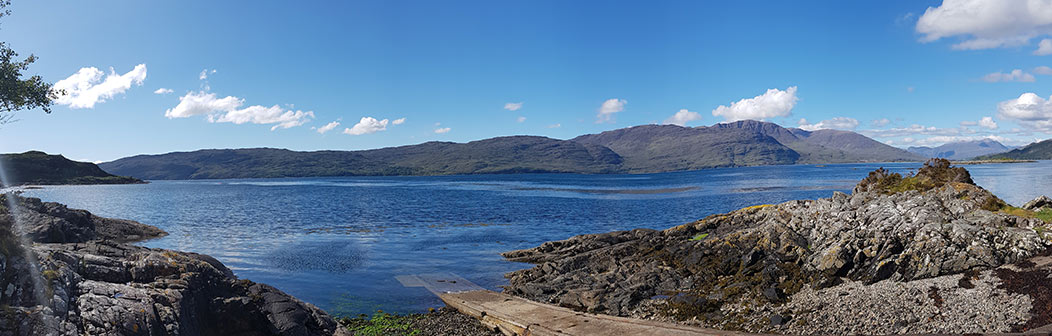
699	237
381	324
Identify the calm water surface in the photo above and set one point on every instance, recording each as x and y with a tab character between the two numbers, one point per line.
340	242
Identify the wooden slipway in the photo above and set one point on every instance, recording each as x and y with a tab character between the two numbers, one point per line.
517	316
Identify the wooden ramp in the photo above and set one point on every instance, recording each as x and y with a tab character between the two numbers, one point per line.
517	316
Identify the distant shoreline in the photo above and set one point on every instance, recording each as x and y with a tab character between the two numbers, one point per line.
978	162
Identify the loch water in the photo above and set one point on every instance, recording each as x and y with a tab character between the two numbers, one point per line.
339	242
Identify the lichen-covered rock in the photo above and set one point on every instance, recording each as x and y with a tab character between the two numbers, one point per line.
935	223
74	283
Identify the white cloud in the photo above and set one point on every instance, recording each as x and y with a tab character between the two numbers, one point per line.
227	109
204	74
914	130
86	88
607	110
201	103
988	122
257	114
1029	110
162	91
368	125
943	139
880	122
682	117
773	103
1043	70
513	106
985	24
1016	75
841	123
520	119
443	130
1044	47
555	125
398	121
328	127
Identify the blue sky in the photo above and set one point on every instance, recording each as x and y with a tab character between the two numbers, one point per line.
282	70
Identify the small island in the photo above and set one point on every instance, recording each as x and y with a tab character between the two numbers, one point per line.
39	168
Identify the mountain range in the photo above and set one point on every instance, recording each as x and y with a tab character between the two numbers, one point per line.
640	149
962	150
1035	151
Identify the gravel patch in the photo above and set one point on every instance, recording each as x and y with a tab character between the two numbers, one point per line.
937	305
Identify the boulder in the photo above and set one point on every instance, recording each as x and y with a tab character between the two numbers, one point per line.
1037	204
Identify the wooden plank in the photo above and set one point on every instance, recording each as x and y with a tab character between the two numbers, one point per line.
517	316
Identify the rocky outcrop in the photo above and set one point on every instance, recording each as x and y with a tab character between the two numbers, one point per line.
745	270
1039	203
81	279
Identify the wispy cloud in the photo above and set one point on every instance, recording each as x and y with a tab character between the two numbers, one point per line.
682	117
443	130
228	109
841	123
86	87
204	74
162	91
555	125
328	127
607	110
513	106
520	119
1016	75
398	121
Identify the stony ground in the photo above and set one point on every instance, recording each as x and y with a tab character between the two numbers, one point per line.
888	258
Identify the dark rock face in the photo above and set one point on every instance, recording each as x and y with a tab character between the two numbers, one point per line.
49	222
92	286
763	255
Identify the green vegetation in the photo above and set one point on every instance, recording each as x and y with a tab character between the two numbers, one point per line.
1043	214
40	168
935	173
381	324
699	237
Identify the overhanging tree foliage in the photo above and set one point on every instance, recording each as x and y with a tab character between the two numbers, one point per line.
18	93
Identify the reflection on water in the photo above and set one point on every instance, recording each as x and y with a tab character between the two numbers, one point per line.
339	242
338	256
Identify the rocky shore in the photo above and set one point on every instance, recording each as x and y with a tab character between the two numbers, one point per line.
73	273
68	272
925	253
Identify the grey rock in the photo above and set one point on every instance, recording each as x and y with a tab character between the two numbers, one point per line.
762	256
93	284
1039	203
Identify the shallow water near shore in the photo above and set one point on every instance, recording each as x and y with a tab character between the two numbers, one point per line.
339	242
